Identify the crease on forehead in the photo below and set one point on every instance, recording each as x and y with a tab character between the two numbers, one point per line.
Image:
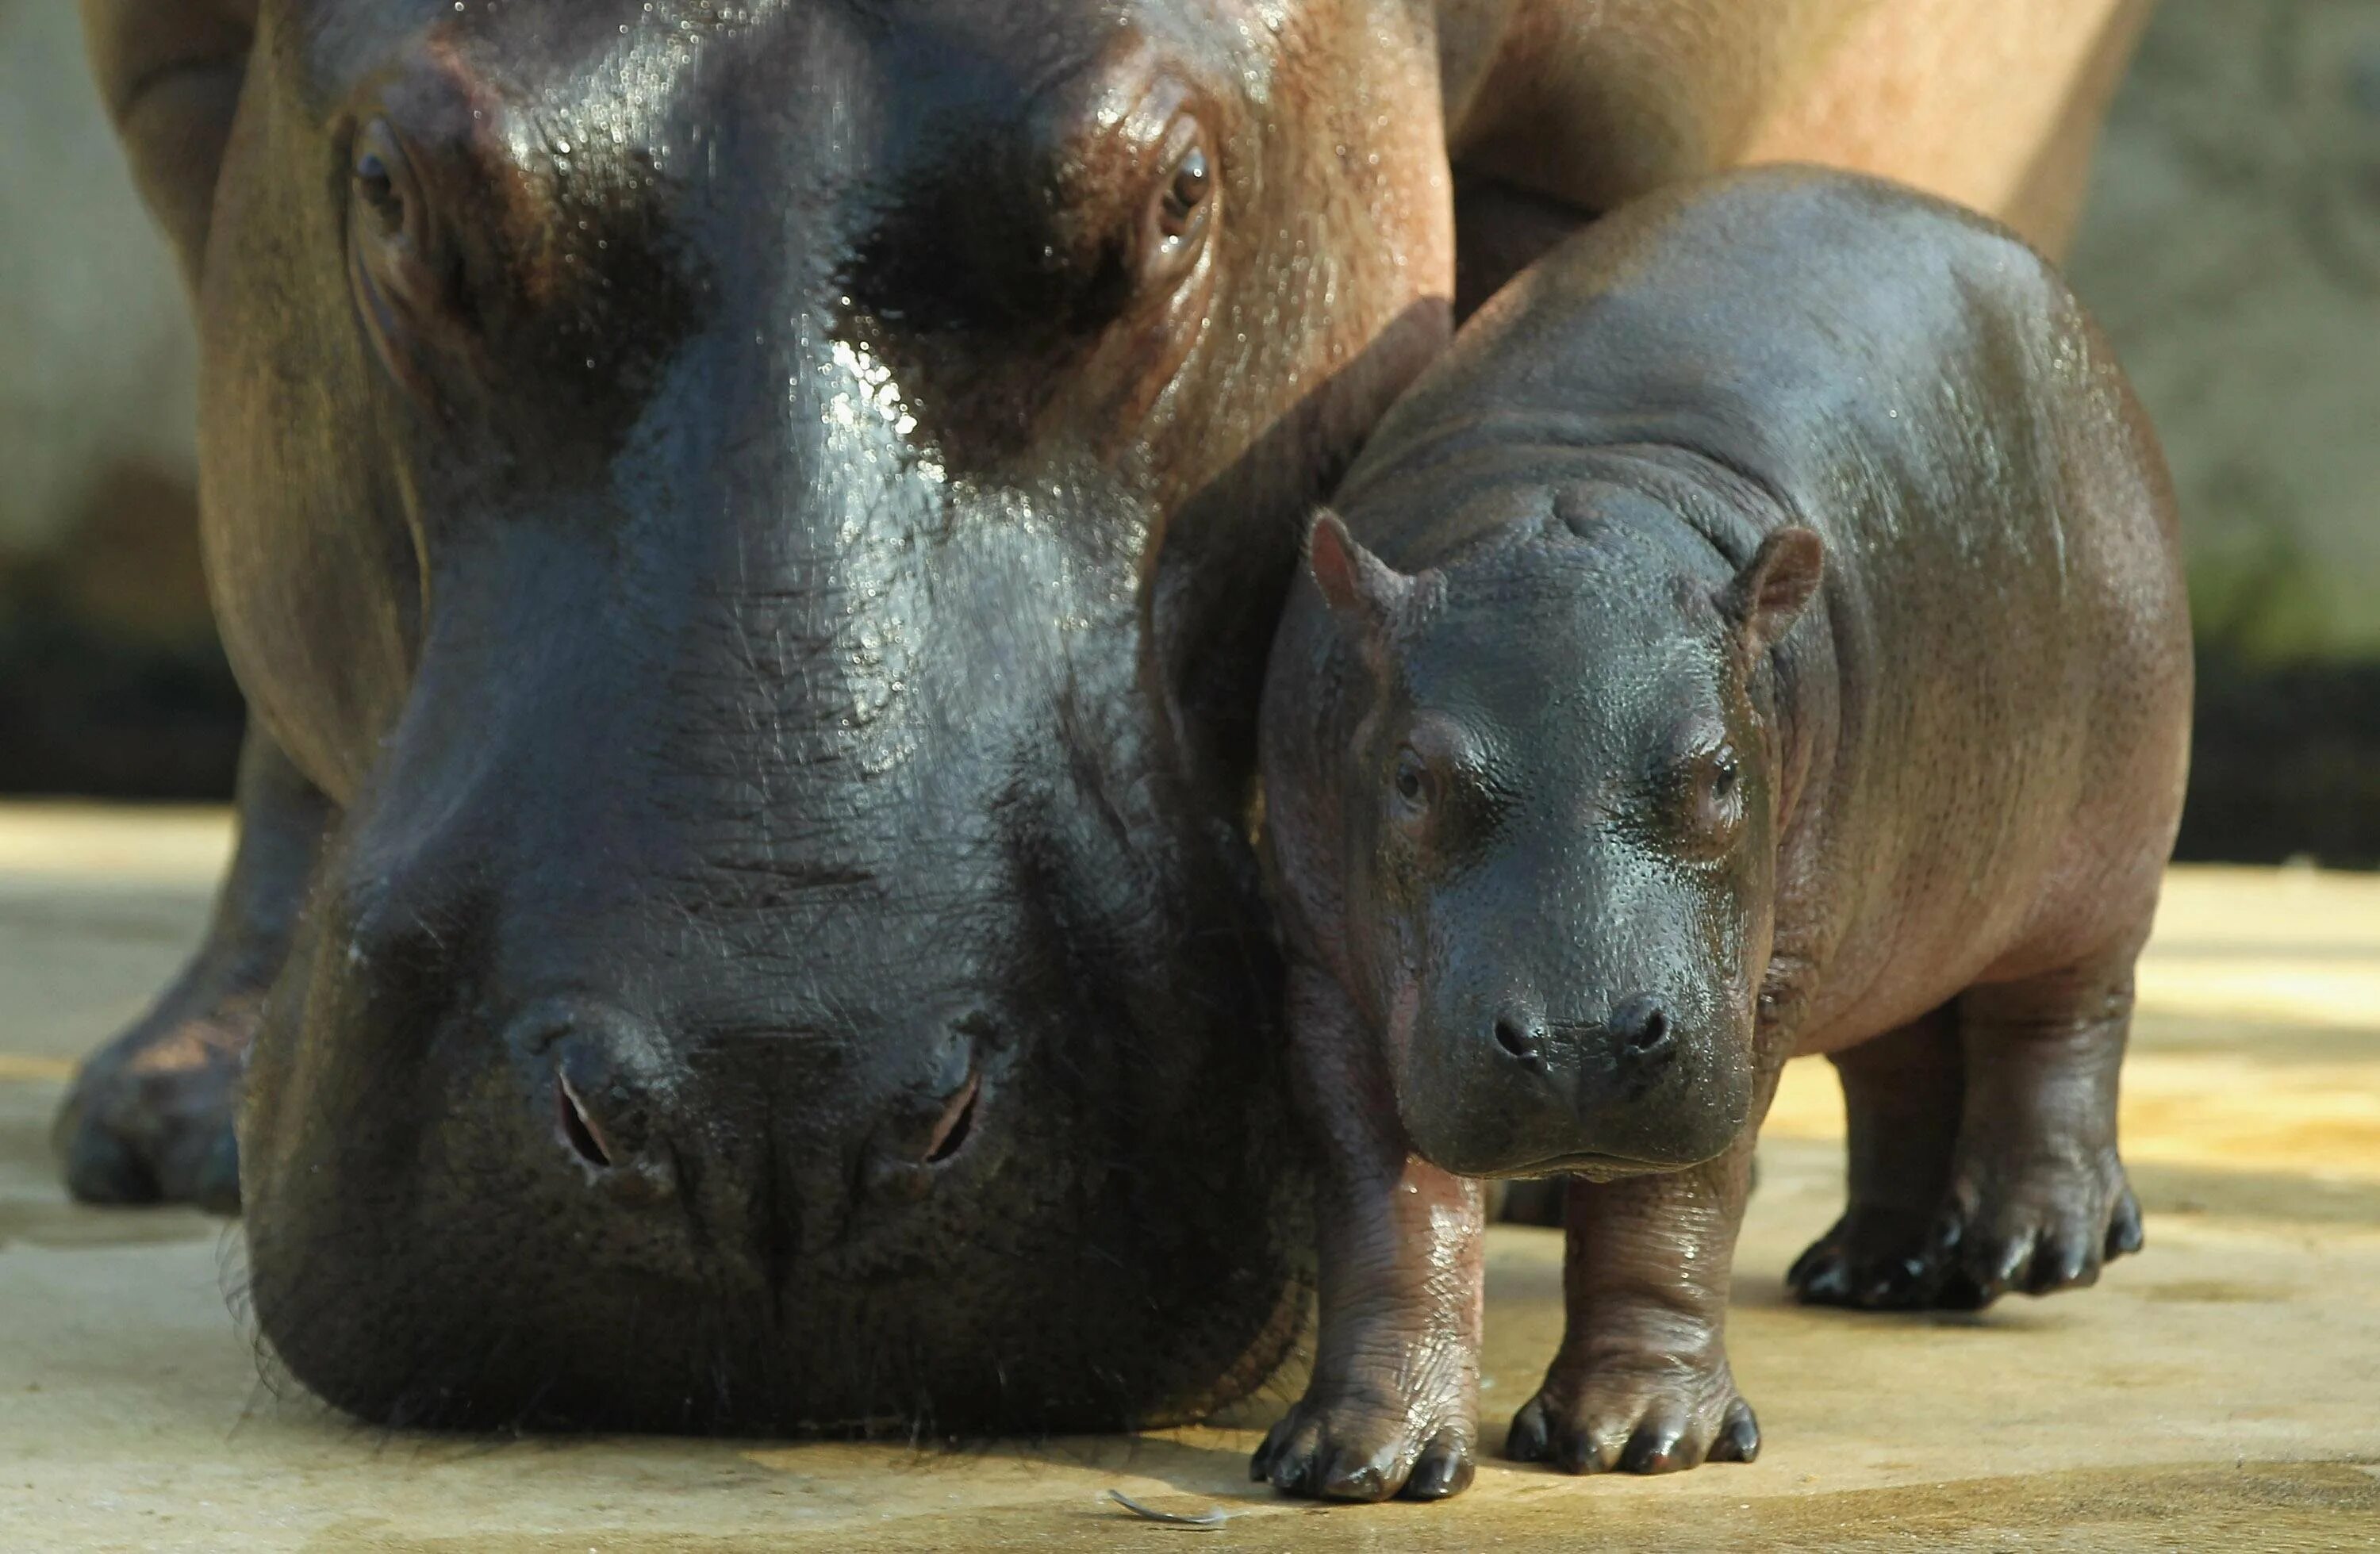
1552	545
1595	609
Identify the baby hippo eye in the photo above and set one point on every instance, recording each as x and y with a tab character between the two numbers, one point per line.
1715	808
1187	193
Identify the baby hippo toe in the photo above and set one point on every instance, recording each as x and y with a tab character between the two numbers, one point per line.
1874	1259
1644	1423
1351	1447
2044	1232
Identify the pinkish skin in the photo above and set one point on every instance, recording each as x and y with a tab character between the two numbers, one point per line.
1642	726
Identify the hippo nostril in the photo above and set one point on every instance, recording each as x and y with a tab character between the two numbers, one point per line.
1641	1026
597	1081
578	1129
1517	1036
957	1122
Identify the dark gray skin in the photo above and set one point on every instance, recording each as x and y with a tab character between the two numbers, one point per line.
683	496
1763	634
1333	289
1549	112
751	547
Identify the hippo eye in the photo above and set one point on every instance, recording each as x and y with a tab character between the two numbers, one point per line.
376	188
379	176
404	281
1411	779
1183	206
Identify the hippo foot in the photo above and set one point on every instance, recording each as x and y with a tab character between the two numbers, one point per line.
1874	1259
2043	1237
1656	1419
2032	1232
1360	1444
150	1117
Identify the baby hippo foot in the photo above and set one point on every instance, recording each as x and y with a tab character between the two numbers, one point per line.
1651	1416
2046	1226
150	1117
1874	1260
1355	1444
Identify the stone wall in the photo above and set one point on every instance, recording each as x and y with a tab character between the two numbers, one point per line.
110	680
2232	248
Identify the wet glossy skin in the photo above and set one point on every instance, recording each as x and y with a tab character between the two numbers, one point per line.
680	485
1594	823
752	568
1762	634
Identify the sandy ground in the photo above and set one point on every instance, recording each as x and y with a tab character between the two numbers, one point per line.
2221	1390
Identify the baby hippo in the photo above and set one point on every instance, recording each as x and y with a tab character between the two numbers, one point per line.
1763	634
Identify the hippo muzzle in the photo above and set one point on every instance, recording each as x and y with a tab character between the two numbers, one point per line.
1585	1043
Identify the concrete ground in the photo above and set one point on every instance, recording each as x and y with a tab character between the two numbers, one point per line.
2220	1391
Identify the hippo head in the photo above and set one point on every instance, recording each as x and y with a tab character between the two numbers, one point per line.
686	479
1561	821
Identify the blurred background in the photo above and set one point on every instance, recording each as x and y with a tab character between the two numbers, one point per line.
2232	246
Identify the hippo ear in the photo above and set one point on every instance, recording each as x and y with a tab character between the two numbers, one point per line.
1358	585
1769	594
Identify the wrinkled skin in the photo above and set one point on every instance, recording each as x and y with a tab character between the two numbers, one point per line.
1763	634
762	712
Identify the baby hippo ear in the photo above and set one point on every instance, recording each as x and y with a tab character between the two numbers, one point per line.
1360	587
1769	595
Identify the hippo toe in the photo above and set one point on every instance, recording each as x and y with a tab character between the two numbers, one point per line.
150	1117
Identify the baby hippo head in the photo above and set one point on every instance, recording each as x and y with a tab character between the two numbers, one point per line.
1560	803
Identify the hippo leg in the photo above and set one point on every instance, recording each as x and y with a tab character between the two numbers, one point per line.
1641	1382
2037	1199
150	1117
1393	1405
1901	1095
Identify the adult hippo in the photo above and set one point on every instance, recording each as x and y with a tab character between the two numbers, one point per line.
749	533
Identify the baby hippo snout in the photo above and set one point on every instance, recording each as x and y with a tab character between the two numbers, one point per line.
1637	1029
1640	1028
1512	1090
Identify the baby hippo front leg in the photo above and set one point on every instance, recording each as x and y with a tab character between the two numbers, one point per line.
1641	1382
1393	1405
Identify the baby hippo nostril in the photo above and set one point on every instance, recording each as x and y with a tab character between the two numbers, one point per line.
1521	1035
1641	1026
